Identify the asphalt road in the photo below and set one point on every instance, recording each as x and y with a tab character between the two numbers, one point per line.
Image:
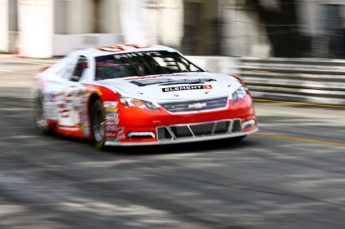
291	174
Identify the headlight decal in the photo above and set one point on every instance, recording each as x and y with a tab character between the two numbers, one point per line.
134	102
239	94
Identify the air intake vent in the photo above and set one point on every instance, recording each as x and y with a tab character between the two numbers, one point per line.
141	135
236	126
196	130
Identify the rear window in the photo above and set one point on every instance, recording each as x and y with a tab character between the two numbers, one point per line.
142	64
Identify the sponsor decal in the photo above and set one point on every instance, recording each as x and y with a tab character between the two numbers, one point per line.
170	81
111	127
110	104
65	113
115	136
112	140
112	48
111	109
184	88
110	134
81	127
154	76
75	93
83	114
49	97
111	115
112	122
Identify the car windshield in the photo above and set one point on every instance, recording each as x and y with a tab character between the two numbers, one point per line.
142	64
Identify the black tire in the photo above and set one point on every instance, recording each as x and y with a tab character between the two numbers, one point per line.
39	116
97	117
238	139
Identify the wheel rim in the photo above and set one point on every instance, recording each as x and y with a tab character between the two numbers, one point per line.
98	124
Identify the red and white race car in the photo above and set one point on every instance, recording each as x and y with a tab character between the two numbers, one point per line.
132	95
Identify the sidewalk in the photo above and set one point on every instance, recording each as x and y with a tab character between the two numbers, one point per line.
27	59
17	74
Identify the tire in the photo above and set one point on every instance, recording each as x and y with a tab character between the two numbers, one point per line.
97	117
39	116
238	139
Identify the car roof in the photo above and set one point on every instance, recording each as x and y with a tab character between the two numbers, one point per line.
122	48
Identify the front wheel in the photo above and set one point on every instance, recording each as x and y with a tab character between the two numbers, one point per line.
238	139
97	117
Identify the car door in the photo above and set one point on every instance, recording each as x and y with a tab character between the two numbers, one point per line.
71	99
51	84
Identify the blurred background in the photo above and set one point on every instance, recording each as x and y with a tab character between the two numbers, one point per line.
259	28
289	175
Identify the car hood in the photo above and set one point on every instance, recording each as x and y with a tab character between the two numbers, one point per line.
173	86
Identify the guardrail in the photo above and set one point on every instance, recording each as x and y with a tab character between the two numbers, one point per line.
303	80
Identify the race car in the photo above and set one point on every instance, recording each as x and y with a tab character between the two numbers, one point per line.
140	95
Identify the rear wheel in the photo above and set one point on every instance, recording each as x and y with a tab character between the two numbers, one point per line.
98	124
40	121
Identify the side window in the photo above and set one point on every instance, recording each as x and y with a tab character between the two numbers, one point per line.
79	69
63	67
67	72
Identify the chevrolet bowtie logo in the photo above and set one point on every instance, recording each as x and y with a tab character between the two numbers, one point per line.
197	105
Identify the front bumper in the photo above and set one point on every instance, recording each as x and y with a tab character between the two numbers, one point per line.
146	127
182	140
171	137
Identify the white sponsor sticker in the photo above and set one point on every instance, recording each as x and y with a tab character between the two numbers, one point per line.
111	116
111	127
112	121
110	104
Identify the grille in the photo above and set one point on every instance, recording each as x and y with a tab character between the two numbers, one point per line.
195	105
199	130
